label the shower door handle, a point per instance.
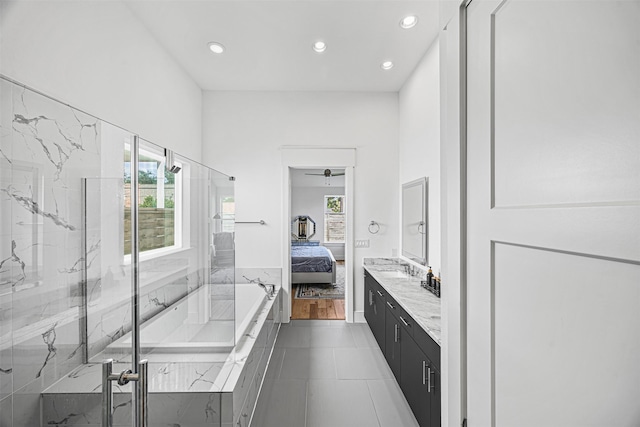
(107, 393)
(141, 390)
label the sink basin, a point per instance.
(393, 274)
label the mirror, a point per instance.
(414, 220)
(303, 228)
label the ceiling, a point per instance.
(269, 43)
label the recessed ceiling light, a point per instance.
(216, 47)
(387, 65)
(319, 46)
(409, 21)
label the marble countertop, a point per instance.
(421, 304)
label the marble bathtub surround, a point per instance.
(218, 388)
(421, 304)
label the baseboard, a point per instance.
(358, 317)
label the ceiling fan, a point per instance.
(327, 175)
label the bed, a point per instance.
(312, 264)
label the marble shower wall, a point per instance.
(45, 150)
(62, 202)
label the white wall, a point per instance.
(242, 133)
(419, 140)
(98, 58)
(310, 201)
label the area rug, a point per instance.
(323, 291)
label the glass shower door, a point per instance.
(109, 317)
(184, 333)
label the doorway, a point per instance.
(300, 175)
(318, 232)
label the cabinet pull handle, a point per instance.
(380, 293)
(370, 297)
(391, 305)
(396, 332)
(429, 372)
(405, 322)
(424, 372)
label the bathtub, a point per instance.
(219, 387)
(187, 325)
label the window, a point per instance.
(334, 219)
(159, 202)
(228, 213)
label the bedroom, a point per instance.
(318, 230)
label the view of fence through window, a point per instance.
(157, 195)
(334, 219)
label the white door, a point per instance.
(553, 213)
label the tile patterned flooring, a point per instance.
(328, 373)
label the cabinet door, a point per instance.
(414, 381)
(434, 399)
(379, 313)
(368, 301)
(420, 383)
(392, 343)
(374, 309)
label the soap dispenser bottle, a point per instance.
(430, 278)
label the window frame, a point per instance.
(326, 211)
(178, 210)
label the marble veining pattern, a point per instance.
(422, 305)
(46, 149)
(237, 374)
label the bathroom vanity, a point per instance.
(405, 320)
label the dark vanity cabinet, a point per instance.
(374, 310)
(420, 383)
(392, 346)
(412, 355)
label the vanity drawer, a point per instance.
(401, 314)
(378, 289)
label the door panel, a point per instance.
(392, 347)
(553, 188)
(551, 338)
(412, 383)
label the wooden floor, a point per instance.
(316, 308)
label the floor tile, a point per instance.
(306, 363)
(294, 337)
(362, 336)
(282, 403)
(331, 337)
(361, 364)
(330, 374)
(392, 408)
(339, 403)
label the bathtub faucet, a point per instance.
(269, 288)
